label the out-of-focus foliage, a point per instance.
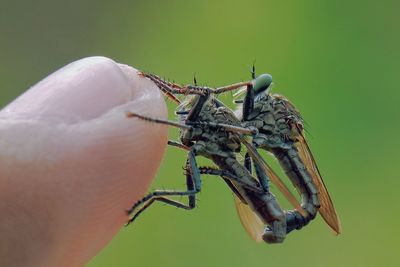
(338, 61)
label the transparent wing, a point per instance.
(273, 176)
(249, 219)
(327, 210)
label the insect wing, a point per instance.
(273, 176)
(327, 209)
(249, 219)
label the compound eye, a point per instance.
(262, 83)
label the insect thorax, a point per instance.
(213, 141)
(274, 117)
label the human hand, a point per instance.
(72, 163)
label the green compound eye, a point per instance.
(262, 82)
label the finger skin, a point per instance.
(72, 163)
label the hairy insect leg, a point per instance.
(193, 182)
(231, 87)
(165, 86)
(172, 88)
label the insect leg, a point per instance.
(130, 114)
(173, 88)
(161, 199)
(193, 182)
(197, 107)
(164, 86)
(248, 184)
(231, 87)
(227, 180)
(247, 163)
(262, 177)
(178, 145)
(248, 103)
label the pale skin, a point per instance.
(71, 163)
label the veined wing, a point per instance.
(273, 176)
(327, 210)
(249, 219)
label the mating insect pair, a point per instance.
(210, 129)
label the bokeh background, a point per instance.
(338, 61)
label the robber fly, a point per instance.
(281, 132)
(210, 129)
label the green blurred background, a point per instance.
(338, 61)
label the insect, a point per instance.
(281, 132)
(212, 130)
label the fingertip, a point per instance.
(68, 142)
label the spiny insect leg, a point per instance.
(173, 88)
(197, 89)
(166, 87)
(193, 182)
